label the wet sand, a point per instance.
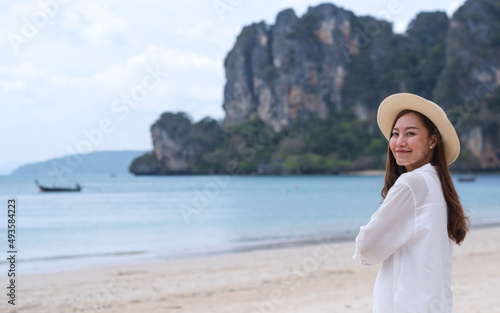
(320, 277)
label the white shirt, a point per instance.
(408, 235)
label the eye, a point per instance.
(410, 134)
(394, 134)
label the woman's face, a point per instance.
(411, 143)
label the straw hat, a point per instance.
(392, 105)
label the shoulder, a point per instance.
(421, 177)
(411, 183)
(421, 183)
(405, 186)
(414, 180)
(401, 194)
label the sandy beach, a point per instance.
(313, 278)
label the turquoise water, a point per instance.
(135, 219)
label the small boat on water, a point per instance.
(55, 189)
(467, 179)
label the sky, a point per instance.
(81, 76)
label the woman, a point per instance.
(412, 232)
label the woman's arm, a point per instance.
(389, 228)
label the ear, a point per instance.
(434, 140)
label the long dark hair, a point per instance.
(458, 222)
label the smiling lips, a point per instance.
(402, 151)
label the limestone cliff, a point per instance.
(291, 69)
(326, 62)
(180, 147)
(315, 83)
(468, 87)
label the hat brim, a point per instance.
(392, 105)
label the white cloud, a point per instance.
(13, 85)
(25, 8)
(95, 23)
(27, 70)
(112, 76)
(175, 62)
(103, 24)
(18, 78)
(196, 30)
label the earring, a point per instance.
(431, 147)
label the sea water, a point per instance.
(127, 219)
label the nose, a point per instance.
(401, 141)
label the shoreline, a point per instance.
(146, 257)
(131, 258)
(311, 278)
(366, 173)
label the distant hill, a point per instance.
(101, 162)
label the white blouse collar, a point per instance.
(427, 167)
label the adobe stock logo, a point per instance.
(31, 27)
